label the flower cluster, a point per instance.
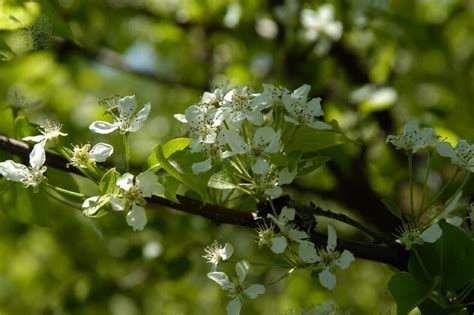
(322, 260)
(245, 132)
(235, 286)
(413, 138)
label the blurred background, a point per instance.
(374, 63)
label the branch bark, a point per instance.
(392, 254)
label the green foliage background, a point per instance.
(63, 56)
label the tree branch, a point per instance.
(393, 255)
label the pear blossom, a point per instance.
(216, 253)
(300, 111)
(269, 184)
(271, 94)
(133, 191)
(92, 205)
(125, 117)
(321, 23)
(265, 141)
(50, 131)
(84, 155)
(413, 234)
(215, 151)
(326, 258)
(239, 105)
(412, 138)
(235, 287)
(29, 176)
(461, 155)
(279, 242)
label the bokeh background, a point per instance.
(375, 63)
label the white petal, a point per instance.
(263, 136)
(314, 107)
(274, 145)
(102, 127)
(127, 106)
(279, 244)
(456, 221)
(345, 259)
(327, 279)
(255, 118)
(227, 252)
(297, 235)
(125, 181)
(274, 192)
(92, 205)
(13, 171)
(445, 149)
(332, 239)
(291, 120)
(140, 118)
(181, 118)
(302, 91)
(254, 290)
(234, 306)
(35, 138)
(37, 155)
(202, 167)
(101, 151)
(260, 167)
(307, 252)
(285, 176)
(236, 143)
(242, 268)
(136, 218)
(287, 214)
(118, 204)
(221, 279)
(431, 234)
(148, 183)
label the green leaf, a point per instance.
(171, 186)
(108, 182)
(308, 139)
(221, 180)
(179, 165)
(168, 149)
(407, 291)
(450, 259)
(306, 166)
(392, 207)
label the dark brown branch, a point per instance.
(393, 255)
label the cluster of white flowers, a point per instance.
(412, 138)
(235, 286)
(241, 126)
(322, 260)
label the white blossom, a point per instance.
(461, 155)
(29, 176)
(321, 23)
(125, 117)
(412, 138)
(235, 287)
(413, 234)
(133, 190)
(239, 105)
(300, 111)
(84, 155)
(216, 253)
(50, 131)
(326, 258)
(279, 242)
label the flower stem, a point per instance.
(441, 191)
(65, 191)
(286, 274)
(125, 151)
(427, 175)
(410, 177)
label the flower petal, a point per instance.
(332, 239)
(102, 127)
(127, 106)
(101, 151)
(260, 167)
(13, 171)
(227, 251)
(37, 155)
(345, 259)
(431, 234)
(279, 244)
(140, 118)
(254, 290)
(148, 183)
(221, 279)
(445, 149)
(287, 214)
(202, 167)
(136, 218)
(118, 204)
(327, 279)
(307, 252)
(234, 306)
(34, 138)
(242, 268)
(125, 181)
